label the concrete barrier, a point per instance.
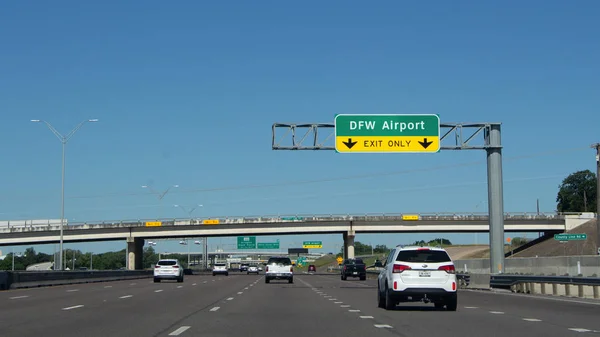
(586, 265)
(32, 279)
(557, 289)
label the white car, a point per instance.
(168, 269)
(417, 274)
(220, 268)
(252, 270)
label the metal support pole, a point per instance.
(597, 146)
(495, 200)
(62, 201)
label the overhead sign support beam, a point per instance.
(450, 136)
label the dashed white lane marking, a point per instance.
(470, 307)
(157, 291)
(179, 331)
(338, 302)
(132, 284)
(382, 326)
(126, 296)
(353, 310)
(193, 284)
(333, 299)
(229, 299)
(366, 317)
(246, 288)
(215, 308)
(497, 312)
(18, 297)
(240, 292)
(213, 280)
(532, 319)
(345, 306)
(73, 307)
(72, 290)
(179, 287)
(579, 330)
(107, 286)
(204, 282)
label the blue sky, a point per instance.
(186, 94)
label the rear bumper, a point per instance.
(220, 272)
(279, 276)
(352, 273)
(167, 276)
(418, 294)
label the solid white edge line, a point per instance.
(73, 307)
(179, 331)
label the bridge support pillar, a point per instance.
(349, 245)
(135, 253)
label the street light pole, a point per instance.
(160, 195)
(63, 140)
(597, 147)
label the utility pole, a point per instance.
(597, 147)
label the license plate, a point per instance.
(279, 274)
(424, 274)
(355, 273)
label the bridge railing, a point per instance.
(291, 218)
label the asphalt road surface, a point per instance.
(243, 305)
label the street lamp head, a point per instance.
(36, 120)
(175, 185)
(93, 120)
(175, 205)
(144, 186)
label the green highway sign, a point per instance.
(267, 245)
(387, 133)
(312, 244)
(570, 237)
(246, 242)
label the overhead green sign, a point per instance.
(267, 245)
(570, 237)
(387, 133)
(312, 244)
(246, 242)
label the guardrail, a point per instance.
(311, 217)
(32, 279)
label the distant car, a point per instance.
(279, 268)
(354, 268)
(412, 274)
(220, 268)
(312, 268)
(168, 269)
(252, 270)
(244, 267)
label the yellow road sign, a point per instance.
(153, 223)
(339, 260)
(387, 144)
(312, 246)
(211, 221)
(410, 217)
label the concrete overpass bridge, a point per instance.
(136, 231)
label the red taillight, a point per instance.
(267, 268)
(157, 266)
(448, 269)
(176, 267)
(422, 248)
(291, 269)
(398, 268)
(453, 285)
(344, 268)
(395, 285)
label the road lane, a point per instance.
(120, 311)
(478, 312)
(281, 309)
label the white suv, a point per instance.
(279, 268)
(168, 269)
(413, 274)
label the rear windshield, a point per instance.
(219, 264)
(280, 260)
(167, 263)
(431, 256)
(354, 261)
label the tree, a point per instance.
(577, 193)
